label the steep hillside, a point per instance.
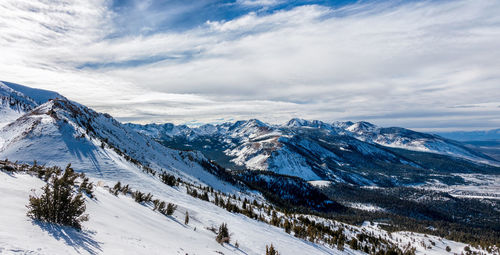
(120, 225)
(62, 131)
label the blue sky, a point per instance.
(178, 15)
(427, 65)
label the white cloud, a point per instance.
(395, 65)
(259, 2)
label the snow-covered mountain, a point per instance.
(46, 127)
(358, 152)
(59, 131)
(15, 100)
(410, 140)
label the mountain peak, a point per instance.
(248, 123)
(256, 122)
(39, 96)
(297, 122)
(342, 124)
(361, 126)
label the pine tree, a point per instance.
(168, 179)
(156, 203)
(171, 208)
(244, 206)
(138, 196)
(223, 234)
(125, 189)
(186, 219)
(87, 187)
(59, 204)
(161, 207)
(274, 219)
(117, 188)
(216, 201)
(271, 250)
(287, 226)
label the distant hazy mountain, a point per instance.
(485, 135)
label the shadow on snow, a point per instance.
(78, 239)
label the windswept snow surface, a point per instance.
(118, 225)
(7, 114)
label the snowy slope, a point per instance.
(61, 132)
(118, 225)
(15, 100)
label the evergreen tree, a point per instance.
(287, 226)
(87, 187)
(59, 204)
(216, 201)
(186, 219)
(223, 234)
(168, 179)
(171, 208)
(117, 188)
(271, 250)
(161, 207)
(138, 196)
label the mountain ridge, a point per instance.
(314, 150)
(62, 131)
(303, 161)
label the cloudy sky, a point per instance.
(427, 65)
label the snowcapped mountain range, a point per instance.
(298, 156)
(360, 152)
(46, 127)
